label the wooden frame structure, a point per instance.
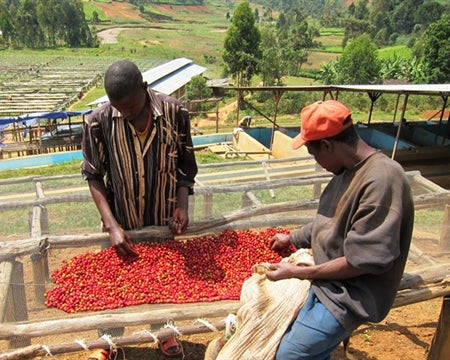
(429, 280)
(373, 91)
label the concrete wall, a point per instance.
(281, 147)
(246, 143)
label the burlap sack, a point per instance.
(268, 307)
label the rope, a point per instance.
(170, 324)
(155, 339)
(230, 325)
(107, 338)
(82, 344)
(207, 324)
(47, 350)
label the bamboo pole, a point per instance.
(129, 316)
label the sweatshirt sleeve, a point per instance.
(301, 238)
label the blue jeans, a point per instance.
(313, 335)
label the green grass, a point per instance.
(89, 9)
(400, 51)
(68, 167)
(331, 31)
(429, 220)
(76, 217)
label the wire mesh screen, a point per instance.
(47, 222)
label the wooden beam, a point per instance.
(444, 240)
(440, 345)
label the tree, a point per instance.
(295, 37)
(28, 31)
(359, 63)
(242, 45)
(44, 23)
(6, 25)
(197, 88)
(329, 73)
(403, 16)
(428, 13)
(354, 27)
(436, 51)
(271, 62)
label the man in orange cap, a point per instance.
(359, 238)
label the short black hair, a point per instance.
(122, 78)
(349, 136)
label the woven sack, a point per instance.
(267, 309)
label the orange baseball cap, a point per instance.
(321, 120)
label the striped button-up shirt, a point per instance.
(141, 180)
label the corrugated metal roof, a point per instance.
(431, 89)
(178, 79)
(166, 78)
(418, 89)
(154, 74)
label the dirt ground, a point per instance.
(118, 9)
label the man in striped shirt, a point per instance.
(138, 158)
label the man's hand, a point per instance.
(284, 270)
(179, 221)
(122, 242)
(280, 241)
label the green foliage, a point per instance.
(396, 67)
(329, 72)
(359, 63)
(45, 23)
(197, 89)
(295, 37)
(355, 28)
(271, 63)
(436, 51)
(242, 52)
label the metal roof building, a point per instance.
(169, 78)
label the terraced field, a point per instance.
(33, 83)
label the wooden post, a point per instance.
(444, 241)
(5, 279)
(249, 199)
(440, 346)
(14, 307)
(317, 187)
(207, 205)
(39, 277)
(217, 117)
(39, 226)
(266, 173)
(38, 260)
